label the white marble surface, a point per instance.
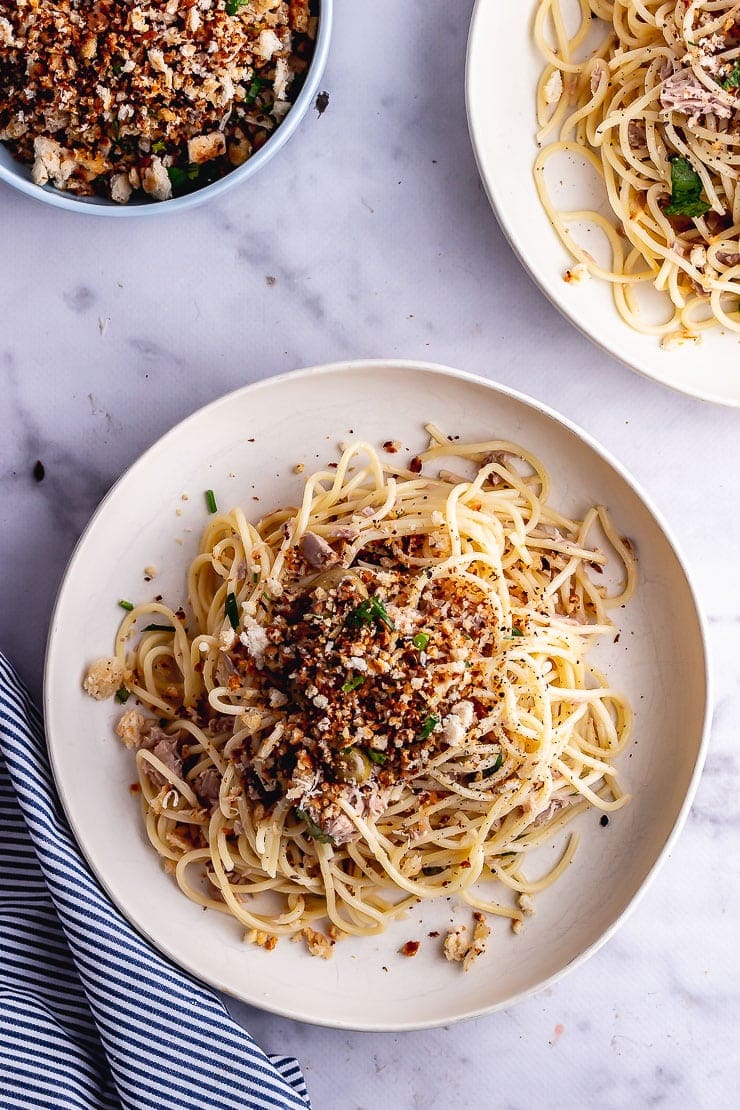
(379, 239)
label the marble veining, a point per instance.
(370, 236)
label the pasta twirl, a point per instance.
(379, 695)
(649, 94)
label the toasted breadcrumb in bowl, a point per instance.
(156, 106)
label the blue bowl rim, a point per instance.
(88, 207)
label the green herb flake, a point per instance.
(516, 632)
(122, 694)
(377, 757)
(353, 683)
(312, 829)
(371, 609)
(686, 187)
(429, 726)
(420, 640)
(233, 7)
(126, 604)
(253, 91)
(732, 80)
(159, 628)
(159, 147)
(183, 178)
(497, 764)
(231, 609)
(211, 501)
(255, 577)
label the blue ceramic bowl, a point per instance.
(18, 175)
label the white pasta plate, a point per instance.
(503, 68)
(245, 447)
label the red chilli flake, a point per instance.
(410, 948)
(415, 465)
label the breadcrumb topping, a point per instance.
(155, 97)
(268, 941)
(317, 944)
(132, 728)
(366, 685)
(104, 678)
(458, 948)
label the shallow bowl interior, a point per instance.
(244, 447)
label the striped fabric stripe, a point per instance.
(92, 1017)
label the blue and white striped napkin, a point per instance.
(90, 1015)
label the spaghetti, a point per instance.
(378, 696)
(648, 93)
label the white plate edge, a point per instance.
(364, 365)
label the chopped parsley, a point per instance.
(253, 91)
(371, 609)
(429, 726)
(126, 604)
(312, 829)
(516, 632)
(497, 764)
(732, 80)
(234, 6)
(159, 628)
(353, 683)
(686, 187)
(159, 147)
(255, 576)
(183, 178)
(122, 694)
(376, 757)
(211, 501)
(231, 610)
(420, 640)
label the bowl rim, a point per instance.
(68, 202)
(367, 366)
